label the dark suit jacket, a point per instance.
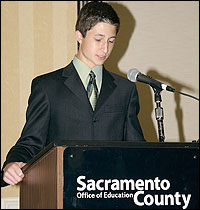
(59, 109)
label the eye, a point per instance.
(112, 41)
(98, 40)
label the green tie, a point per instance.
(92, 90)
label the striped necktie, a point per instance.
(92, 90)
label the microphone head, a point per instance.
(132, 74)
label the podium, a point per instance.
(112, 175)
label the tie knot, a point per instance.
(92, 74)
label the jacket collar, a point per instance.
(73, 82)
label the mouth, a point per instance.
(101, 57)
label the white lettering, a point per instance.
(151, 200)
(85, 195)
(122, 184)
(161, 202)
(163, 183)
(107, 182)
(135, 198)
(115, 185)
(139, 197)
(170, 198)
(151, 182)
(91, 185)
(157, 180)
(127, 184)
(186, 200)
(177, 196)
(81, 183)
(139, 184)
(98, 184)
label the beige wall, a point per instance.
(36, 37)
(159, 38)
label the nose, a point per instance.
(105, 47)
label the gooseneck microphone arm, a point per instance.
(159, 114)
(135, 75)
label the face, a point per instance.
(97, 45)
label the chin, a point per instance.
(101, 62)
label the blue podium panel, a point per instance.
(130, 178)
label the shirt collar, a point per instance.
(84, 70)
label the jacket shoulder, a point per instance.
(122, 79)
(52, 76)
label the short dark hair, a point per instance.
(95, 12)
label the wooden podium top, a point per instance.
(103, 143)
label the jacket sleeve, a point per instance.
(34, 133)
(133, 130)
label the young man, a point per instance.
(82, 101)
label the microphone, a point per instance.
(135, 75)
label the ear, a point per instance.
(79, 37)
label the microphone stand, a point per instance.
(159, 114)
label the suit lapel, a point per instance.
(108, 86)
(73, 82)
